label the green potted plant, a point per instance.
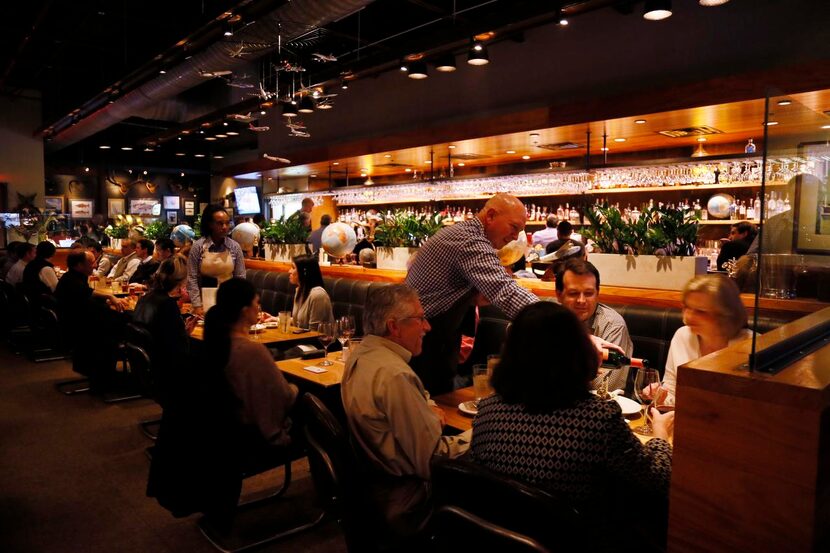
(399, 236)
(116, 233)
(284, 239)
(656, 250)
(157, 229)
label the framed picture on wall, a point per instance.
(811, 221)
(189, 208)
(172, 217)
(146, 207)
(53, 203)
(172, 202)
(81, 208)
(115, 206)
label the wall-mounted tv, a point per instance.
(247, 200)
(10, 219)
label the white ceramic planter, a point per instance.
(283, 252)
(647, 271)
(115, 243)
(393, 258)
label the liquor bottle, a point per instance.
(757, 206)
(787, 206)
(750, 147)
(560, 213)
(612, 359)
(698, 210)
(574, 216)
(750, 211)
(772, 205)
(741, 210)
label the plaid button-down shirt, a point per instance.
(457, 260)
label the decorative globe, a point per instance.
(245, 234)
(513, 251)
(718, 205)
(182, 234)
(338, 240)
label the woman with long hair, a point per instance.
(312, 304)
(263, 396)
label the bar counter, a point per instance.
(785, 309)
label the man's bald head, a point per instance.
(503, 218)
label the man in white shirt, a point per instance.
(390, 414)
(546, 235)
(128, 263)
(103, 265)
(25, 253)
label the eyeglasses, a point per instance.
(421, 318)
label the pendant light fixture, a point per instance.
(306, 105)
(446, 63)
(709, 3)
(478, 54)
(289, 110)
(656, 10)
(418, 70)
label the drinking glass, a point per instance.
(284, 321)
(345, 330)
(481, 382)
(646, 379)
(327, 331)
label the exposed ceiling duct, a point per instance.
(292, 19)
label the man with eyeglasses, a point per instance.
(451, 270)
(390, 414)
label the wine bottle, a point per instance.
(612, 359)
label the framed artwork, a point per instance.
(811, 217)
(115, 206)
(172, 202)
(172, 217)
(81, 208)
(189, 208)
(53, 203)
(146, 207)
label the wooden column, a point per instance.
(751, 461)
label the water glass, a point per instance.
(481, 382)
(646, 384)
(284, 321)
(328, 332)
(345, 330)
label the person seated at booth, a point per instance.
(312, 304)
(126, 266)
(564, 231)
(577, 289)
(543, 426)
(144, 249)
(39, 276)
(103, 263)
(390, 414)
(165, 248)
(25, 253)
(9, 259)
(741, 236)
(714, 317)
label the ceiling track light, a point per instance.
(561, 18)
(478, 54)
(404, 67)
(306, 105)
(289, 110)
(418, 70)
(657, 10)
(446, 63)
(344, 84)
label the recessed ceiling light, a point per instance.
(233, 133)
(784, 102)
(148, 149)
(198, 155)
(656, 10)
(221, 136)
(640, 121)
(210, 138)
(126, 148)
(408, 170)
(772, 123)
(313, 175)
(86, 169)
(428, 161)
(262, 112)
(180, 154)
(525, 157)
(104, 147)
(178, 138)
(825, 126)
(201, 131)
(185, 132)
(144, 172)
(218, 157)
(619, 140)
(701, 139)
(451, 147)
(510, 152)
(387, 156)
(362, 174)
(336, 163)
(224, 123)
(710, 3)
(603, 149)
(462, 164)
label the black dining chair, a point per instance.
(138, 350)
(455, 529)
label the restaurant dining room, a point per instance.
(379, 276)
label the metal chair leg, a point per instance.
(79, 386)
(146, 426)
(286, 480)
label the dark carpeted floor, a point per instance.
(73, 473)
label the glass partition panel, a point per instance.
(789, 261)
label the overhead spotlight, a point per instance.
(233, 133)
(306, 105)
(144, 172)
(198, 155)
(655, 10)
(162, 71)
(461, 164)
(224, 123)
(619, 140)
(408, 170)
(446, 63)
(180, 154)
(148, 149)
(104, 147)
(289, 110)
(525, 157)
(561, 18)
(210, 138)
(710, 3)
(86, 169)
(315, 93)
(313, 176)
(218, 157)
(130, 171)
(404, 67)
(784, 102)
(418, 70)
(640, 121)
(181, 174)
(344, 84)
(127, 148)
(451, 147)
(702, 139)
(478, 54)
(221, 136)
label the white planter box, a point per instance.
(283, 252)
(115, 243)
(393, 258)
(647, 271)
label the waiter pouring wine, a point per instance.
(449, 271)
(213, 259)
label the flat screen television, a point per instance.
(247, 200)
(10, 219)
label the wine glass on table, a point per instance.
(345, 331)
(646, 383)
(327, 332)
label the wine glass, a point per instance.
(327, 331)
(345, 327)
(646, 382)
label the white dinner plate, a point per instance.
(257, 327)
(628, 406)
(272, 325)
(468, 407)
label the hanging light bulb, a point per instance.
(656, 10)
(478, 54)
(344, 84)
(418, 70)
(709, 3)
(289, 110)
(446, 63)
(306, 105)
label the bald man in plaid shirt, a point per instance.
(451, 269)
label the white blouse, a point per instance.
(685, 347)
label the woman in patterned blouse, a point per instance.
(543, 426)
